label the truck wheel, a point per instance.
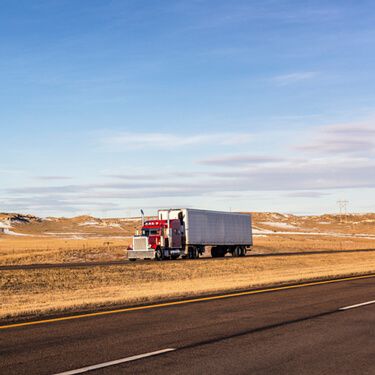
(243, 252)
(159, 254)
(193, 253)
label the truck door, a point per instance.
(176, 234)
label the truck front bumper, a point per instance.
(141, 254)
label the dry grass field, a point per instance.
(29, 240)
(290, 243)
(31, 250)
(29, 293)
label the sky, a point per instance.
(107, 107)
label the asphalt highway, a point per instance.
(326, 328)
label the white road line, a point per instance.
(116, 362)
(357, 305)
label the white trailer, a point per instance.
(213, 228)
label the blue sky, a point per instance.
(110, 106)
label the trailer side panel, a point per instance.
(204, 227)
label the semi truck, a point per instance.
(186, 233)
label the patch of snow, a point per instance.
(63, 233)
(114, 225)
(4, 225)
(89, 223)
(278, 224)
(276, 216)
(329, 234)
(261, 231)
(11, 233)
(96, 224)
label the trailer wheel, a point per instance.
(214, 252)
(237, 251)
(243, 252)
(159, 254)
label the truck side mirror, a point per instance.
(181, 218)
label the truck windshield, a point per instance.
(150, 232)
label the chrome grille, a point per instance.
(140, 243)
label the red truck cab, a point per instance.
(160, 239)
(157, 233)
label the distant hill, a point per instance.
(263, 223)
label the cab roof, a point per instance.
(149, 224)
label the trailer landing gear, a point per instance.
(218, 251)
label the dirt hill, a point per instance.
(76, 227)
(264, 223)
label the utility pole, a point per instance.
(343, 209)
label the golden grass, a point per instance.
(302, 243)
(28, 250)
(26, 293)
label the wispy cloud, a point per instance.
(167, 140)
(52, 178)
(55, 203)
(306, 194)
(308, 175)
(154, 176)
(235, 160)
(265, 11)
(343, 139)
(10, 171)
(336, 157)
(292, 78)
